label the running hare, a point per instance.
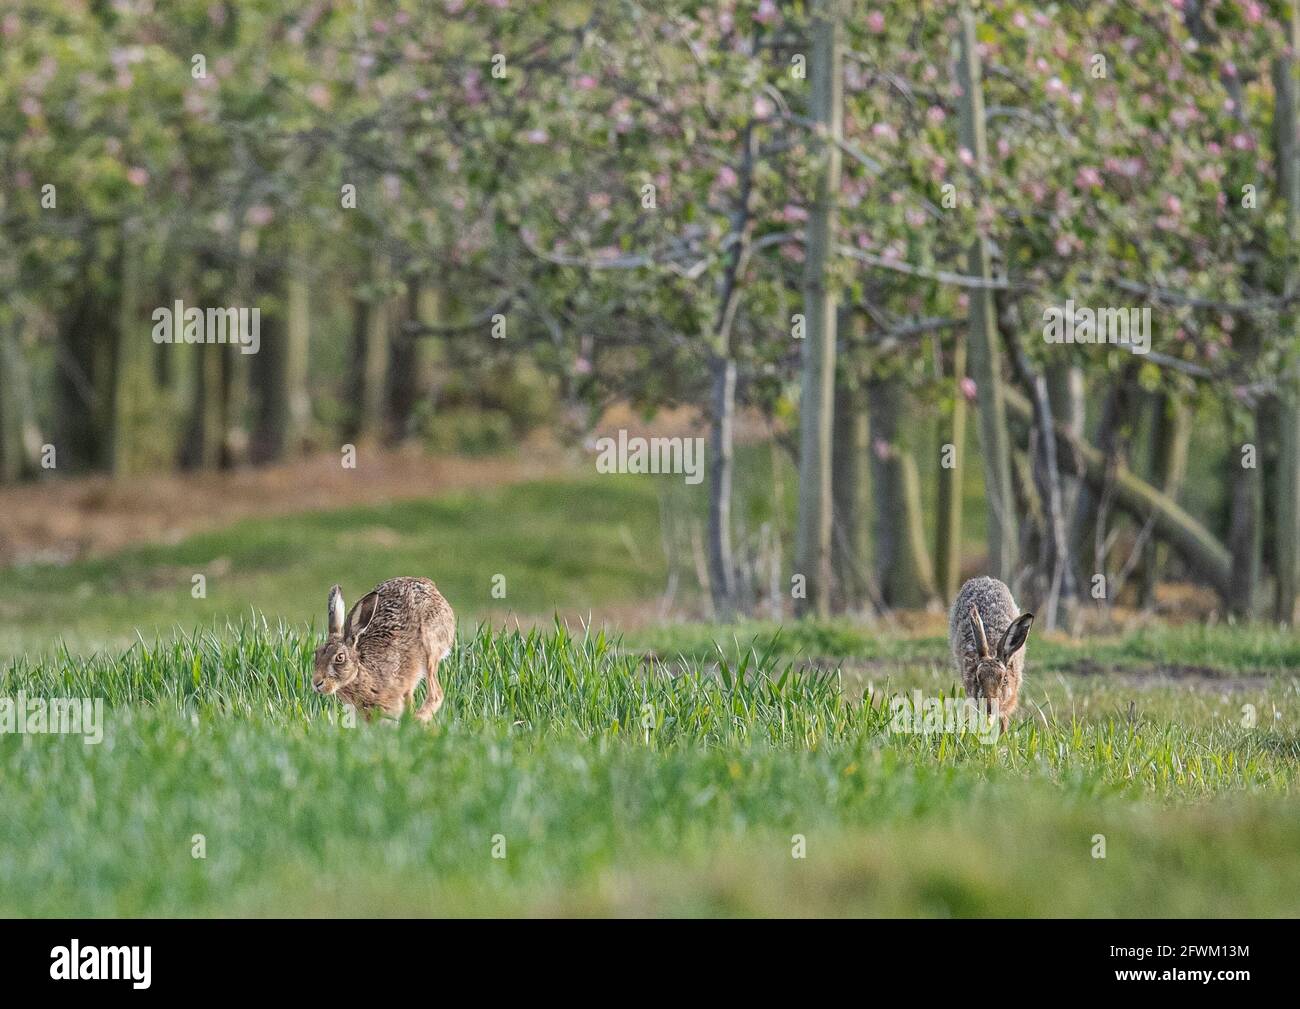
(984, 613)
(392, 637)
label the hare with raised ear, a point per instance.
(985, 612)
(393, 636)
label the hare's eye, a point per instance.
(338, 659)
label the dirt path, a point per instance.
(58, 520)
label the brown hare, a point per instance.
(984, 613)
(392, 637)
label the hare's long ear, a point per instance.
(359, 619)
(1013, 639)
(335, 612)
(981, 639)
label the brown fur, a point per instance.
(392, 637)
(992, 669)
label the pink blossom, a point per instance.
(1088, 178)
(727, 177)
(876, 22)
(259, 215)
(965, 156)
(454, 6)
(1063, 245)
(586, 83)
(471, 81)
(763, 107)
(791, 213)
(766, 12)
(935, 114)
(537, 135)
(969, 389)
(137, 176)
(1253, 11)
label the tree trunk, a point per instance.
(722, 572)
(236, 366)
(206, 429)
(370, 355)
(131, 395)
(948, 528)
(270, 439)
(20, 439)
(81, 384)
(995, 446)
(1286, 538)
(902, 564)
(816, 409)
(1168, 466)
(1055, 567)
(722, 407)
(1088, 531)
(849, 512)
(297, 355)
(204, 402)
(1066, 393)
(405, 378)
(1245, 507)
(11, 461)
(1197, 546)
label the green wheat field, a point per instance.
(669, 769)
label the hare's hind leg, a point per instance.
(434, 653)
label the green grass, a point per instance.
(560, 545)
(1223, 650)
(652, 773)
(625, 785)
